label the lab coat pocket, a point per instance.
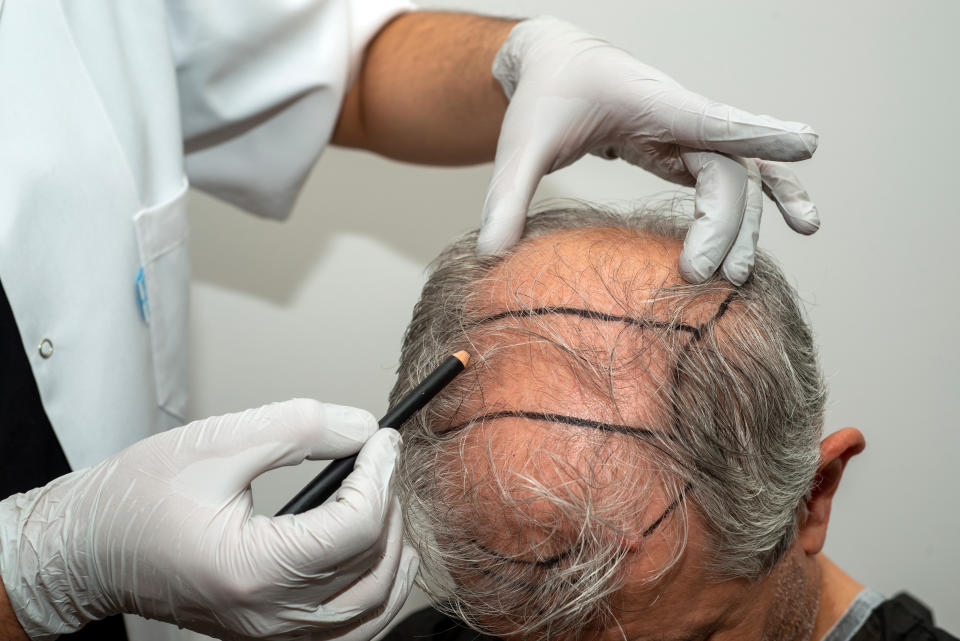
(163, 289)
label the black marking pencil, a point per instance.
(329, 479)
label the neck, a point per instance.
(837, 591)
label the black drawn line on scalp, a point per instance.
(556, 559)
(676, 374)
(647, 436)
(646, 323)
(724, 306)
(697, 332)
(550, 417)
(670, 508)
(545, 563)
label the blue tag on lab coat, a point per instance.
(142, 297)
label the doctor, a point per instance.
(109, 110)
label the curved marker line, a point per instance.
(547, 563)
(647, 436)
(550, 417)
(590, 314)
(697, 332)
(554, 560)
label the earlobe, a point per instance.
(835, 451)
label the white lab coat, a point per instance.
(108, 109)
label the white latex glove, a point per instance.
(164, 529)
(572, 94)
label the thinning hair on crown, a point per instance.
(716, 400)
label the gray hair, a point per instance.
(729, 429)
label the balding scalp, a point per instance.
(609, 406)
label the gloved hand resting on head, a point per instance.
(164, 529)
(572, 94)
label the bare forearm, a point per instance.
(426, 93)
(10, 628)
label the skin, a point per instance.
(425, 94)
(800, 599)
(10, 628)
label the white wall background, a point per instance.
(316, 306)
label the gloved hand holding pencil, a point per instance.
(165, 529)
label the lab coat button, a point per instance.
(46, 348)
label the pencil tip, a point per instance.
(463, 357)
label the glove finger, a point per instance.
(223, 454)
(375, 626)
(721, 195)
(703, 124)
(526, 152)
(368, 594)
(353, 521)
(739, 261)
(783, 188)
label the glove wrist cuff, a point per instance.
(45, 593)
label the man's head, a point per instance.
(627, 454)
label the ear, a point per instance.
(835, 451)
